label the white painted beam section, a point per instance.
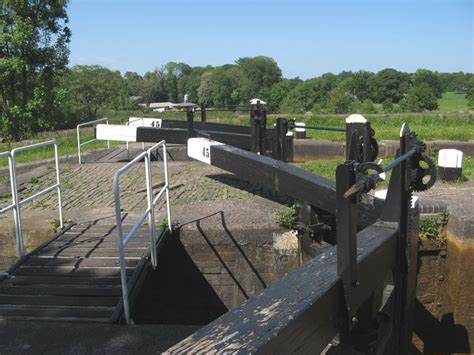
(200, 149)
(116, 132)
(145, 122)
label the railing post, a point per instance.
(16, 210)
(78, 145)
(150, 213)
(58, 182)
(151, 208)
(14, 189)
(123, 271)
(168, 207)
(108, 141)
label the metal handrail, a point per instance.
(16, 203)
(128, 124)
(12, 205)
(79, 144)
(149, 212)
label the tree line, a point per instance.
(38, 91)
(235, 84)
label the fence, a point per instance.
(79, 144)
(16, 203)
(122, 242)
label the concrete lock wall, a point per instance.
(204, 272)
(458, 309)
(38, 226)
(310, 149)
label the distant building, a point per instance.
(136, 98)
(169, 106)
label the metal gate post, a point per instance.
(203, 113)
(190, 119)
(360, 144)
(280, 143)
(347, 240)
(20, 244)
(258, 122)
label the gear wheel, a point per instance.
(424, 173)
(374, 151)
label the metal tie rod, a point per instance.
(320, 128)
(398, 160)
(361, 185)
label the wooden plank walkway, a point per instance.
(75, 276)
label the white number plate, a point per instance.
(200, 149)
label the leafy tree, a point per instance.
(425, 76)
(328, 82)
(148, 90)
(172, 87)
(176, 77)
(33, 49)
(204, 91)
(391, 84)
(367, 106)
(226, 88)
(362, 85)
(91, 87)
(257, 73)
(303, 97)
(278, 92)
(419, 98)
(133, 83)
(341, 101)
(159, 77)
(194, 81)
(456, 82)
(387, 105)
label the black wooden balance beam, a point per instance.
(279, 177)
(301, 312)
(339, 291)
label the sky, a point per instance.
(306, 38)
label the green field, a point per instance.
(327, 168)
(429, 126)
(453, 102)
(67, 144)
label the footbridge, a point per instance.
(87, 272)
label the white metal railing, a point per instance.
(17, 203)
(128, 124)
(122, 242)
(9, 157)
(79, 144)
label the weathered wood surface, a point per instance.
(298, 313)
(289, 180)
(74, 277)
